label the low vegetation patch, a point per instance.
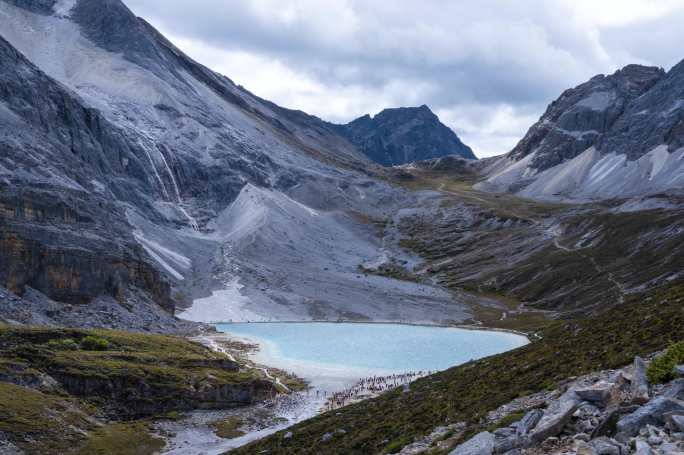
(662, 369)
(228, 428)
(42, 423)
(134, 438)
(91, 343)
(93, 374)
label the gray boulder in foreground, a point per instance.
(679, 369)
(607, 446)
(643, 448)
(651, 413)
(480, 444)
(555, 417)
(601, 393)
(529, 421)
(639, 381)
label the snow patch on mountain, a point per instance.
(225, 305)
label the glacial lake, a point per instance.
(334, 355)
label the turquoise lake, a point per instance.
(334, 354)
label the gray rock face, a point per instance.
(58, 234)
(581, 115)
(480, 444)
(613, 136)
(403, 135)
(652, 119)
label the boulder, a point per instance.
(480, 444)
(670, 448)
(508, 439)
(602, 393)
(639, 389)
(583, 448)
(555, 417)
(642, 448)
(675, 389)
(607, 446)
(679, 369)
(607, 426)
(652, 413)
(529, 421)
(675, 422)
(415, 448)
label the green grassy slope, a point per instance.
(104, 374)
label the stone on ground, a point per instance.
(480, 444)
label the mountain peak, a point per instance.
(576, 120)
(617, 135)
(403, 135)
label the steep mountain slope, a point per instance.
(60, 231)
(154, 153)
(403, 135)
(613, 136)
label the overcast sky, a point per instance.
(488, 68)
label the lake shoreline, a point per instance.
(325, 391)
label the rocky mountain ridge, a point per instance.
(404, 135)
(613, 136)
(605, 412)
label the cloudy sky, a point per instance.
(488, 68)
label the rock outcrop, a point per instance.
(404, 135)
(58, 233)
(614, 136)
(581, 115)
(589, 415)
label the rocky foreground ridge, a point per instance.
(611, 412)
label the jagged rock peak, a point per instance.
(403, 135)
(575, 121)
(620, 135)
